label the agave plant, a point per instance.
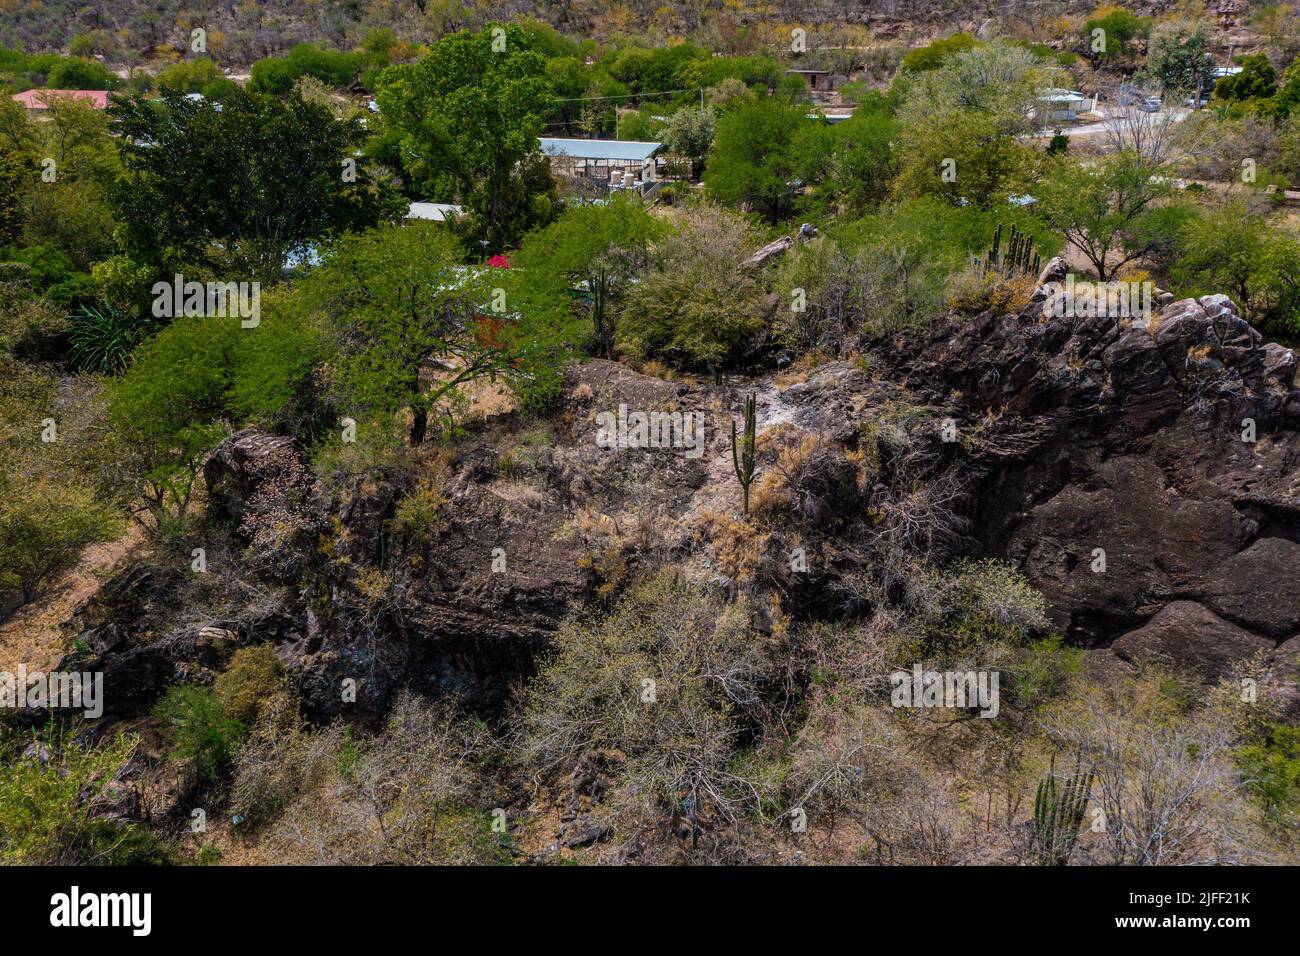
(103, 337)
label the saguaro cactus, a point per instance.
(743, 459)
(1058, 813)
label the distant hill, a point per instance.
(240, 32)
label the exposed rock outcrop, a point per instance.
(1109, 458)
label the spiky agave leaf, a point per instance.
(103, 337)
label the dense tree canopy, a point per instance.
(242, 187)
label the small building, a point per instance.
(622, 164)
(818, 81)
(40, 99)
(433, 211)
(1061, 105)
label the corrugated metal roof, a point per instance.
(626, 150)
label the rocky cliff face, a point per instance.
(1170, 445)
(1073, 440)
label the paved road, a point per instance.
(1178, 114)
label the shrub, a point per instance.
(651, 698)
(44, 525)
(417, 793)
(698, 302)
(250, 680)
(48, 797)
(103, 337)
(1272, 768)
(200, 731)
(1165, 778)
(73, 73)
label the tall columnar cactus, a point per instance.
(1058, 813)
(743, 459)
(1018, 257)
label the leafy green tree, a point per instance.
(276, 75)
(169, 408)
(1119, 26)
(74, 73)
(932, 55)
(1231, 248)
(242, 187)
(965, 158)
(1179, 55)
(863, 160)
(1105, 209)
(755, 158)
(960, 125)
(689, 133)
(1221, 250)
(394, 300)
(1256, 81)
(597, 251)
(189, 76)
(469, 115)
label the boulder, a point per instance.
(1188, 633)
(243, 463)
(1250, 588)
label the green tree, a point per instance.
(698, 302)
(468, 115)
(1179, 55)
(1256, 81)
(864, 160)
(689, 133)
(1120, 27)
(189, 76)
(1221, 251)
(394, 299)
(598, 250)
(932, 55)
(243, 187)
(960, 125)
(169, 408)
(74, 73)
(755, 157)
(1107, 209)
(966, 158)
(1232, 248)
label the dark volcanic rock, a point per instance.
(242, 464)
(1251, 589)
(1127, 436)
(1188, 633)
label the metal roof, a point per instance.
(626, 150)
(435, 211)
